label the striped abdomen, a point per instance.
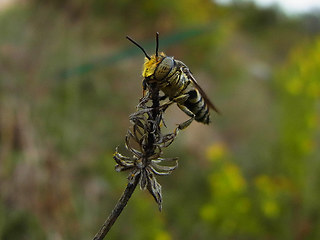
(196, 104)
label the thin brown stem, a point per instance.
(154, 93)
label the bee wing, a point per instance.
(203, 94)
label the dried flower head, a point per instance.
(145, 141)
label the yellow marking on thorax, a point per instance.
(150, 66)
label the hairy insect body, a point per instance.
(174, 81)
(178, 84)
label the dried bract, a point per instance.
(145, 141)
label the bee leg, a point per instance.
(185, 124)
(181, 99)
(144, 87)
(144, 84)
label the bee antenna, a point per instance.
(157, 44)
(135, 43)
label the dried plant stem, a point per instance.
(117, 209)
(154, 93)
(135, 178)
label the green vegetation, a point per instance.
(69, 80)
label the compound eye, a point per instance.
(164, 68)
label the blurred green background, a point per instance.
(69, 80)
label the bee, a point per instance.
(177, 83)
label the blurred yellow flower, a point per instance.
(270, 208)
(294, 86)
(271, 190)
(208, 212)
(236, 181)
(163, 236)
(228, 180)
(216, 151)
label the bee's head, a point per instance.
(150, 66)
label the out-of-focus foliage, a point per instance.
(272, 201)
(68, 81)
